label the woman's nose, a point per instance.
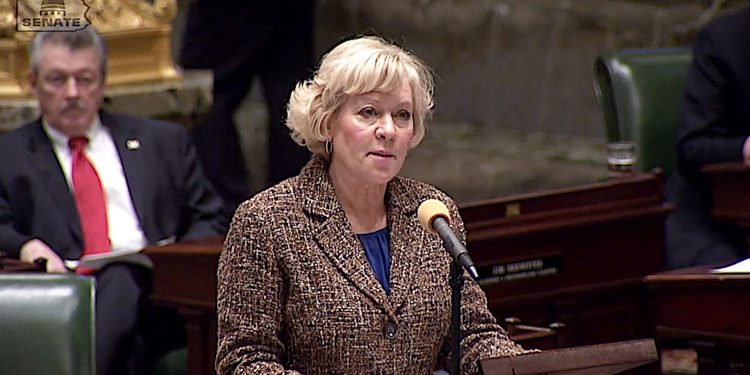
(386, 127)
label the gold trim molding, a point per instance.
(138, 34)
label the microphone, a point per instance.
(435, 217)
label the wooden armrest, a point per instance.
(8, 265)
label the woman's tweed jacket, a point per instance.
(297, 294)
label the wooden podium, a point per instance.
(574, 256)
(601, 359)
(706, 311)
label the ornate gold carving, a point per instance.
(113, 15)
(7, 20)
(137, 31)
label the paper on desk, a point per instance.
(98, 261)
(739, 267)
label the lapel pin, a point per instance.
(133, 144)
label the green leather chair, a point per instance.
(46, 324)
(173, 363)
(640, 93)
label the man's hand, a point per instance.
(35, 249)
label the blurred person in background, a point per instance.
(714, 128)
(241, 40)
(81, 181)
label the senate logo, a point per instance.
(51, 15)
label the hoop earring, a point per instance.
(329, 147)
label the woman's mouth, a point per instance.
(381, 154)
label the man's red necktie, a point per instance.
(90, 202)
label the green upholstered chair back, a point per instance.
(46, 324)
(172, 363)
(640, 93)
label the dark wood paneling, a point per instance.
(706, 311)
(585, 251)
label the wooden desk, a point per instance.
(729, 183)
(575, 256)
(709, 312)
(184, 277)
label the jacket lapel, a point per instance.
(45, 162)
(405, 245)
(134, 164)
(335, 237)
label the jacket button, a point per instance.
(390, 329)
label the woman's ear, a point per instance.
(328, 130)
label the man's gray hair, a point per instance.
(75, 40)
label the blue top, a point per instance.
(378, 252)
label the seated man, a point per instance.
(715, 127)
(81, 181)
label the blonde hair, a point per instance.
(355, 67)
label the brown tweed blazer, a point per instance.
(297, 294)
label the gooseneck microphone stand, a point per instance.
(435, 217)
(456, 282)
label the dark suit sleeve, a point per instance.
(202, 205)
(11, 239)
(709, 132)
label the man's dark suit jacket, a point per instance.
(715, 124)
(172, 198)
(244, 40)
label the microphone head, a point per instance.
(431, 209)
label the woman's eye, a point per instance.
(403, 117)
(368, 112)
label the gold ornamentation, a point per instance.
(109, 15)
(7, 20)
(137, 31)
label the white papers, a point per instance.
(98, 261)
(739, 267)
